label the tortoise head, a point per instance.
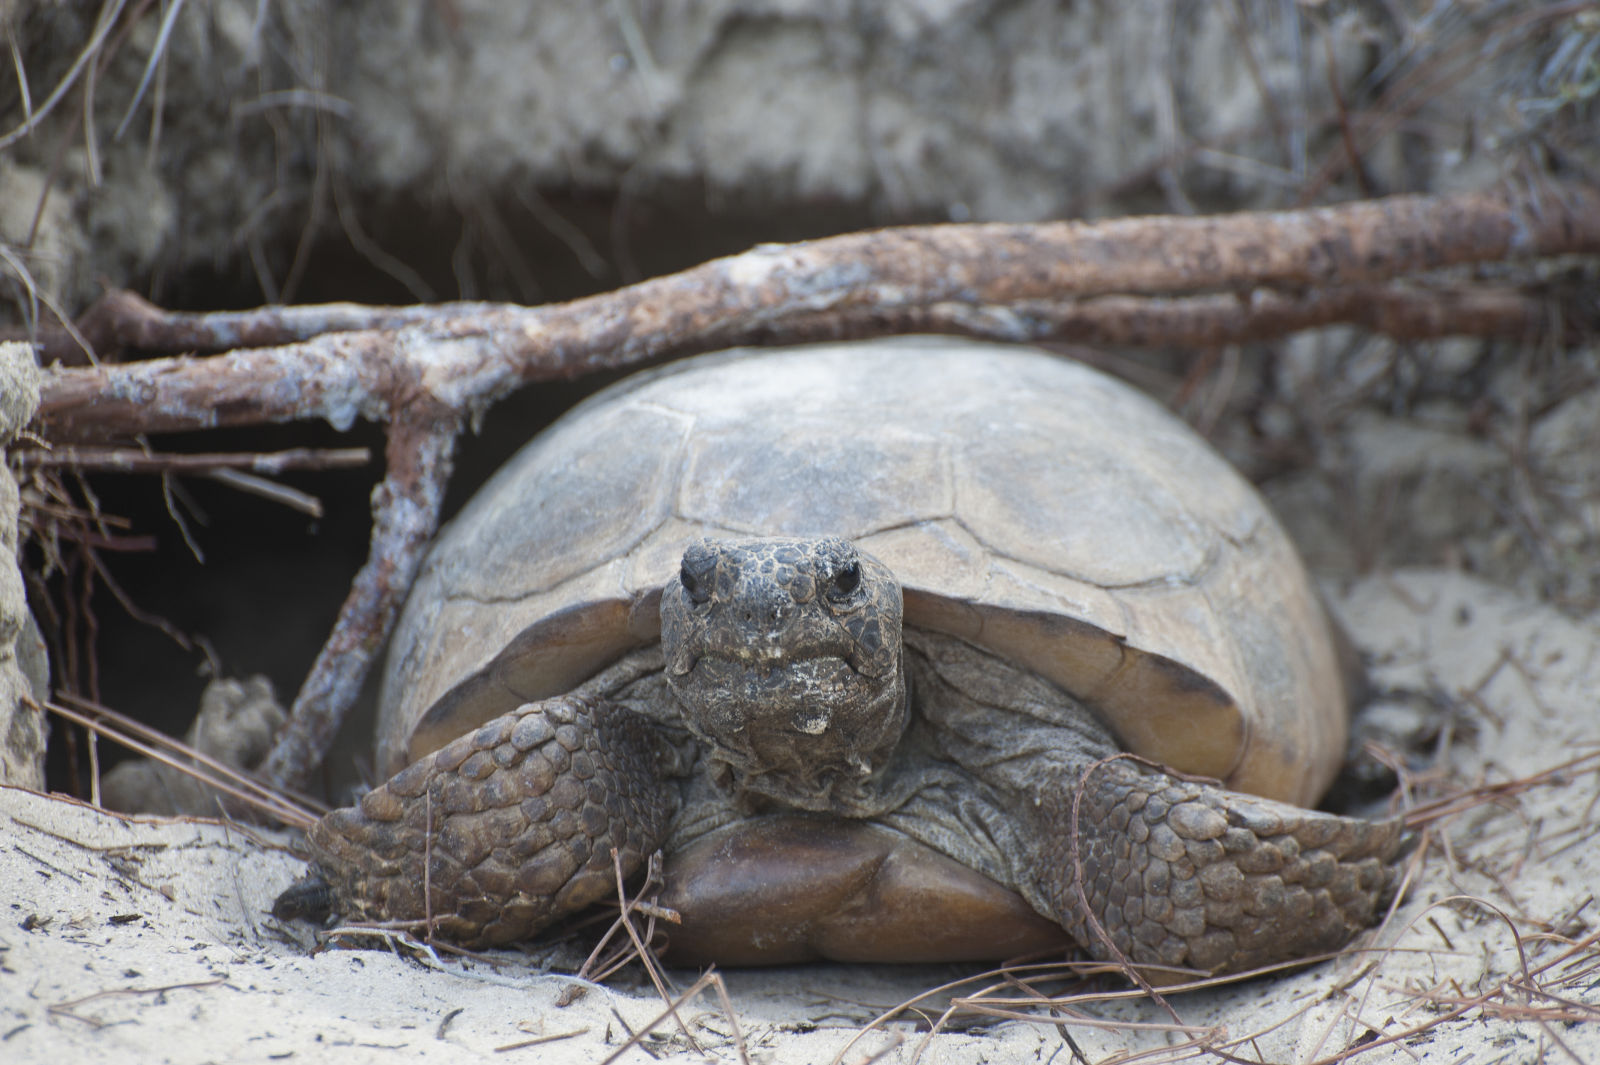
(786, 655)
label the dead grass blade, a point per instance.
(295, 810)
(89, 54)
(710, 978)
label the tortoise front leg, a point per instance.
(1187, 874)
(509, 827)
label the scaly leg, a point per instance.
(514, 822)
(1188, 874)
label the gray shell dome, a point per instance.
(1027, 503)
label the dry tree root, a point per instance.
(426, 370)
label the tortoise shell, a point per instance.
(1027, 503)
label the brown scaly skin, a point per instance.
(517, 819)
(1190, 875)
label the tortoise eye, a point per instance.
(697, 571)
(693, 585)
(845, 580)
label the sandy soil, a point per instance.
(147, 940)
(411, 146)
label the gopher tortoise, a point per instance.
(905, 650)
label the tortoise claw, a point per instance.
(307, 899)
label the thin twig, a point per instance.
(540, 1040)
(405, 513)
(293, 498)
(65, 1009)
(134, 460)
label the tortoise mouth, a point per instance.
(778, 668)
(738, 693)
